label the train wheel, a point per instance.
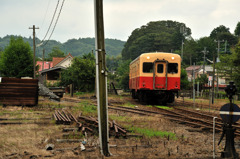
(134, 96)
(141, 97)
(171, 98)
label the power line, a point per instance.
(51, 21)
(55, 22)
(44, 16)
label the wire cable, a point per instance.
(44, 16)
(55, 22)
(51, 21)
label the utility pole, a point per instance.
(43, 59)
(204, 57)
(182, 50)
(182, 30)
(225, 50)
(34, 51)
(194, 85)
(218, 57)
(101, 75)
(213, 79)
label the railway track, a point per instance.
(182, 115)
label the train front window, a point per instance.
(147, 67)
(160, 68)
(173, 68)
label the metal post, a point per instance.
(34, 51)
(214, 118)
(101, 75)
(194, 85)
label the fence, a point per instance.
(20, 92)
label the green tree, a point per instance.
(236, 69)
(215, 34)
(56, 52)
(17, 59)
(162, 36)
(202, 79)
(184, 80)
(122, 74)
(237, 30)
(190, 49)
(81, 73)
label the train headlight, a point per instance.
(148, 57)
(172, 58)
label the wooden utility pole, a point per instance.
(101, 75)
(34, 51)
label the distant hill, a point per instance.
(76, 47)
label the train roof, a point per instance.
(153, 54)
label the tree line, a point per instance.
(161, 36)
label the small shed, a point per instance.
(20, 92)
(51, 75)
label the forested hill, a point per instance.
(74, 46)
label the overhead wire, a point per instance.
(55, 22)
(44, 17)
(51, 21)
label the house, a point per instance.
(219, 82)
(63, 61)
(43, 65)
(52, 69)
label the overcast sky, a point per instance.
(121, 17)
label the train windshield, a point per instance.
(147, 67)
(160, 68)
(172, 68)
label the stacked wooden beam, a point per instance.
(64, 117)
(87, 124)
(22, 92)
(114, 128)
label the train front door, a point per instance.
(160, 75)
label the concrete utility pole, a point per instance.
(218, 59)
(182, 50)
(213, 79)
(204, 58)
(101, 75)
(34, 51)
(182, 31)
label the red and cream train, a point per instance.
(155, 76)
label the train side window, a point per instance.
(160, 68)
(147, 67)
(172, 68)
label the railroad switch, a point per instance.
(229, 118)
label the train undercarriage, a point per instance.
(154, 96)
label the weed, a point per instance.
(164, 107)
(152, 133)
(86, 108)
(120, 118)
(128, 104)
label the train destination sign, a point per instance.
(225, 113)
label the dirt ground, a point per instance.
(32, 129)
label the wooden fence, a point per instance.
(19, 92)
